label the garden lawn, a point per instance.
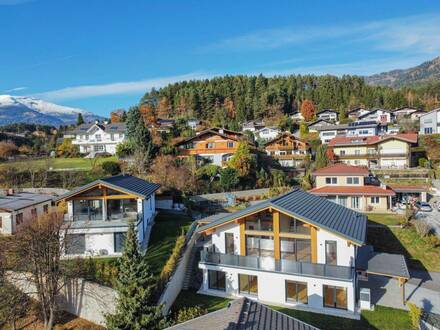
(59, 163)
(382, 318)
(163, 237)
(385, 219)
(418, 253)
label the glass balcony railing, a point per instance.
(278, 266)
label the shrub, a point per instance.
(189, 313)
(172, 261)
(422, 162)
(415, 314)
(422, 228)
(432, 240)
(111, 167)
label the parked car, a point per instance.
(423, 206)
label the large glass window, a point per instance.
(335, 297)
(119, 239)
(75, 243)
(261, 222)
(259, 246)
(85, 210)
(248, 284)
(296, 292)
(296, 249)
(292, 225)
(217, 280)
(331, 252)
(121, 208)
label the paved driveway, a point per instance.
(386, 292)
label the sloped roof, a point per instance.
(347, 126)
(109, 128)
(314, 209)
(342, 169)
(244, 314)
(127, 183)
(283, 135)
(409, 188)
(215, 131)
(369, 140)
(352, 190)
(20, 200)
(373, 111)
(327, 110)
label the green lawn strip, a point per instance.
(418, 253)
(385, 219)
(166, 229)
(383, 318)
(187, 298)
(58, 163)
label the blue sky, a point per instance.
(100, 55)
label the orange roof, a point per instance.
(342, 169)
(367, 140)
(354, 190)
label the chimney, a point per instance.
(11, 191)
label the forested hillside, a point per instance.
(239, 98)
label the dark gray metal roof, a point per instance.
(20, 200)
(387, 264)
(314, 209)
(244, 314)
(127, 183)
(109, 128)
(347, 126)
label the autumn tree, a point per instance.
(164, 108)
(308, 110)
(117, 116)
(148, 113)
(243, 161)
(7, 149)
(67, 149)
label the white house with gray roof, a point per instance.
(430, 122)
(98, 138)
(17, 208)
(296, 250)
(99, 213)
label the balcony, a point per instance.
(282, 266)
(80, 222)
(372, 155)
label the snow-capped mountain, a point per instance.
(23, 109)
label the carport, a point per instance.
(383, 264)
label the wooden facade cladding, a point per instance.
(314, 243)
(286, 143)
(276, 232)
(242, 238)
(104, 194)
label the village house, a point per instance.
(267, 133)
(98, 138)
(430, 122)
(328, 115)
(297, 116)
(295, 250)
(252, 126)
(378, 115)
(313, 127)
(360, 128)
(354, 114)
(288, 150)
(17, 208)
(351, 186)
(387, 151)
(404, 112)
(213, 145)
(99, 213)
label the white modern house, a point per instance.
(430, 122)
(267, 133)
(355, 129)
(17, 208)
(252, 126)
(357, 112)
(379, 116)
(328, 114)
(98, 214)
(98, 138)
(296, 250)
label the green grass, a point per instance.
(58, 163)
(418, 253)
(382, 318)
(166, 229)
(385, 219)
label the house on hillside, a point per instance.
(313, 127)
(98, 138)
(288, 150)
(378, 115)
(213, 145)
(252, 126)
(359, 128)
(430, 122)
(297, 116)
(17, 208)
(328, 115)
(267, 133)
(404, 112)
(355, 113)
(98, 214)
(296, 250)
(388, 151)
(351, 186)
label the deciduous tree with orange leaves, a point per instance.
(308, 110)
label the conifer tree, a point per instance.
(321, 156)
(136, 307)
(79, 119)
(139, 134)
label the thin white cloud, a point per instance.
(16, 89)
(117, 88)
(418, 33)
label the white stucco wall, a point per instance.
(9, 225)
(218, 238)
(345, 253)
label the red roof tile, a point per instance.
(342, 169)
(355, 190)
(368, 140)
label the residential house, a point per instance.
(193, 123)
(17, 208)
(267, 133)
(98, 138)
(378, 115)
(360, 128)
(313, 127)
(252, 126)
(163, 125)
(213, 145)
(375, 151)
(354, 114)
(351, 186)
(404, 112)
(430, 122)
(328, 115)
(296, 115)
(296, 250)
(416, 115)
(288, 150)
(99, 213)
